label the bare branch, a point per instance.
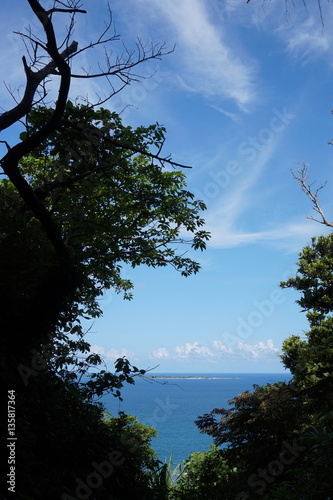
(141, 151)
(33, 81)
(32, 40)
(123, 66)
(10, 161)
(302, 180)
(6, 144)
(71, 11)
(37, 74)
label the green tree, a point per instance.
(260, 425)
(113, 203)
(81, 195)
(41, 279)
(68, 450)
(311, 359)
(253, 431)
(205, 475)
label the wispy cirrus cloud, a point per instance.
(301, 27)
(233, 205)
(290, 236)
(307, 39)
(229, 215)
(209, 64)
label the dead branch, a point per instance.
(71, 11)
(33, 80)
(121, 67)
(302, 179)
(10, 161)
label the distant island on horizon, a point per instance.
(199, 376)
(190, 376)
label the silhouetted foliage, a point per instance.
(81, 194)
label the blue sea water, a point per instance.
(173, 402)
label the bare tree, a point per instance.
(301, 176)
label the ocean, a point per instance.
(172, 402)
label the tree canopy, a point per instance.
(262, 426)
(81, 196)
(114, 202)
(311, 359)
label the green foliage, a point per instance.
(103, 382)
(297, 417)
(135, 444)
(66, 440)
(256, 424)
(311, 360)
(292, 348)
(315, 276)
(133, 441)
(205, 475)
(113, 203)
(163, 478)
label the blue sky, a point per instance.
(245, 97)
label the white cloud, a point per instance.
(209, 64)
(161, 353)
(306, 39)
(262, 349)
(229, 217)
(112, 354)
(302, 27)
(97, 349)
(192, 349)
(219, 350)
(259, 350)
(221, 221)
(290, 236)
(220, 346)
